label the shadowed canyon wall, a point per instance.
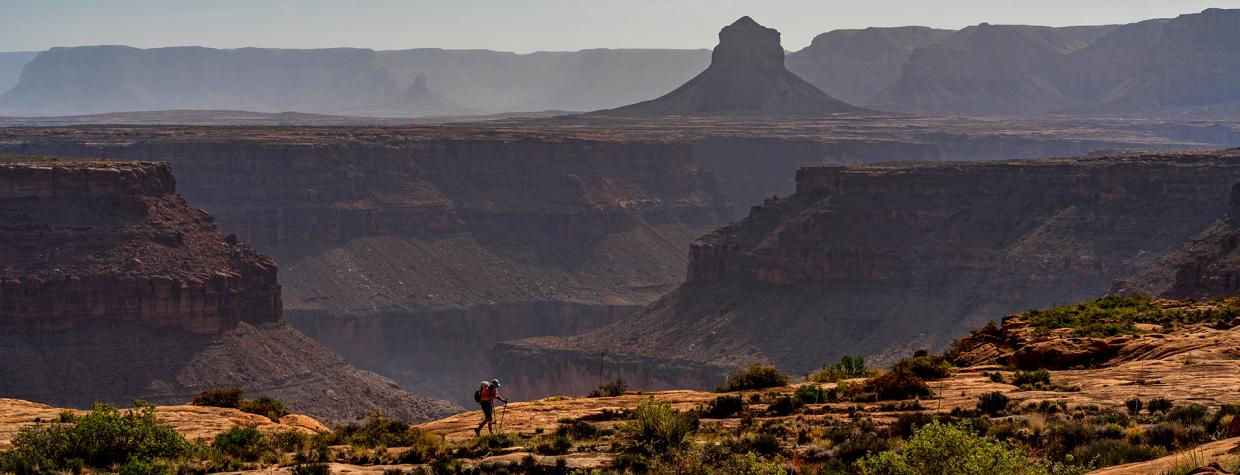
(112, 288)
(883, 260)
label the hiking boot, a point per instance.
(477, 432)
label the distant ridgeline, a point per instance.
(1186, 65)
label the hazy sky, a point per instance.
(517, 25)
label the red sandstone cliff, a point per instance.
(113, 288)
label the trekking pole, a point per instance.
(503, 412)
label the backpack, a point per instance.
(478, 396)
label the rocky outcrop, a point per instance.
(883, 260)
(854, 65)
(103, 265)
(746, 76)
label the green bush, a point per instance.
(992, 403)
(724, 407)
(264, 406)
(811, 394)
(952, 449)
(928, 367)
(896, 384)
(102, 438)
(243, 442)
(783, 406)
(1031, 378)
(553, 444)
(578, 429)
(219, 397)
(655, 429)
(847, 368)
(377, 431)
(612, 389)
(756, 376)
(1134, 405)
(1159, 404)
(1107, 452)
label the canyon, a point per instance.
(882, 260)
(114, 289)
(413, 250)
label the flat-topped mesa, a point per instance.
(746, 77)
(98, 243)
(746, 44)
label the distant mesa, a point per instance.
(746, 76)
(420, 99)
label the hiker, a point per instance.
(485, 396)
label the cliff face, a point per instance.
(883, 260)
(113, 288)
(113, 242)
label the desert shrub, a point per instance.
(783, 406)
(424, 447)
(243, 442)
(1031, 378)
(577, 429)
(311, 469)
(1134, 405)
(848, 367)
(101, 438)
(655, 429)
(136, 466)
(378, 431)
(995, 377)
(1119, 314)
(927, 367)
(724, 407)
(553, 444)
(712, 460)
(811, 394)
(264, 406)
(219, 397)
(892, 385)
(1159, 404)
(951, 449)
(1066, 436)
(908, 423)
(612, 389)
(1107, 452)
(756, 376)
(993, 403)
(1192, 414)
(763, 443)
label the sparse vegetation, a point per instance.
(612, 389)
(756, 376)
(848, 367)
(1119, 315)
(231, 398)
(655, 429)
(993, 403)
(104, 439)
(951, 449)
